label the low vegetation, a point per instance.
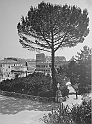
(34, 84)
(78, 114)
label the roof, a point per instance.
(8, 62)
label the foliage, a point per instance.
(82, 114)
(11, 58)
(33, 84)
(48, 93)
(62, 69)
(59, 78)
(84, 68)
(79, 114)
(49, 27)
(59, 116)
(79, 70)
(65, 23)
(65, 92)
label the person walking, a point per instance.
(76, 93)
(76, 89)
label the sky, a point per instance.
(10, 15)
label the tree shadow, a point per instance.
(10, 105)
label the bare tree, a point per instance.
(49, 27)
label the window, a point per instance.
(37, 65)
(42, 66)
(3, 65)
(49, 65)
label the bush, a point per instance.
(46, 94)
(78, 114)
(82, 114)
(32, 84)
(65, 92)
(83, 90)
(60, 116)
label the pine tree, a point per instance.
(49, 27)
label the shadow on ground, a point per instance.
(10, 105)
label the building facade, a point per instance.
(31, 65)
(43, 63)
(10, 68)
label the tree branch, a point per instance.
(43, 49)
(60, 43)
(59, 37)
(23, 38)
(47, 41)
(29, 47)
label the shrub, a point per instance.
(65, 92)
(82, 114)
(60, 116)
(46, 94)
(78, 114)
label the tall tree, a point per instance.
(49, 27)
(83, 59)
(71, 71)
(79, 70)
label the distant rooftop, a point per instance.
(8, 62)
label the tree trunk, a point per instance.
(52, 68)
(53, 73)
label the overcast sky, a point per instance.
(10, 14)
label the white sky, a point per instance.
(10, 14)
